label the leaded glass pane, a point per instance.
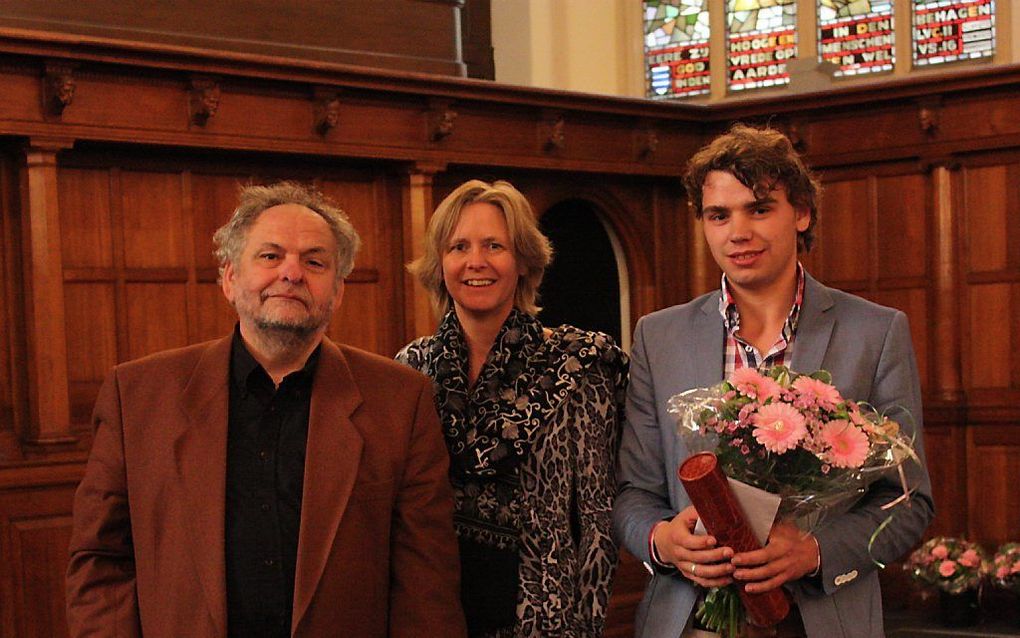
(676, 48)
(856, 35)
(761, 35)
(945, 31)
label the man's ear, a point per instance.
(803, 218)
(338, 296)
(227, 281)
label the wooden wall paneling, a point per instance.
(86, 227)
(35, 526)
(873, 240)
(987, 202)
(991, 267)
(947, 456)
(989, 124)
(368, 295)
(990, 331)
(47, 345)
(902, 229)
(357, 323)
(91, 313)
(215, 316)
(901, 258)
(418, 201)
(40, 548)
(157, 317)
(628, 590)
(946, 202)
(153, 221)
(703, 273)
(89, 284)
(213, 199)
(12, 372)
(670, 267)
(843, 233)
(993, 451)
(393, 273)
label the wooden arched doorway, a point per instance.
(587, 284)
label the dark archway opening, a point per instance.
(582, 286)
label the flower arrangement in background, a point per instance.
(1006, 567)
(952, 565)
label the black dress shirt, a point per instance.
(268, 431)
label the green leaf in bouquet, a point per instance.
(822, 375)
(782, 375)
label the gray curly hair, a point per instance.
(229, 239)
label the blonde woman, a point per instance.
(531, 418)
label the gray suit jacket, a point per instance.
(867, 349)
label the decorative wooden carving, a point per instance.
(441, 119)
(58, 87)
(928, 118)
(555, 136)
(203, 99)
(648, 143)
(792, 131)
(326, 110)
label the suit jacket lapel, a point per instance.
(200, 454)
(814, 328)
(709, 345)
(331, 465)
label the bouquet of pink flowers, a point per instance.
(953, 565)
(1006, 567)
(792, 435)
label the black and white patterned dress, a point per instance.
(533, 448)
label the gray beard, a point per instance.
(285, 336)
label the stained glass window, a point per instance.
(945, 31)
(676, 48)
(856, 35)
(761, 35)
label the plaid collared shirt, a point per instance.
(739, 353)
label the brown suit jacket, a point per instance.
(376, 549)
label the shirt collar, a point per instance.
(243, 365)
(731, 315)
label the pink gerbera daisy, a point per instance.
(940, 552)
(812, 392)
(848, 445)
(779, 427)
(947, 568)
(752, 383)
(969, 558)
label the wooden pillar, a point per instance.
(49, 422)
(946, 289)
(697, 281)
(417, 208)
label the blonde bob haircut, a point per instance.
(531, 248)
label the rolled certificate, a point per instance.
(709, 491)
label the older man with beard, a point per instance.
(270, 483)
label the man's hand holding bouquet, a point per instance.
(790, 435)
